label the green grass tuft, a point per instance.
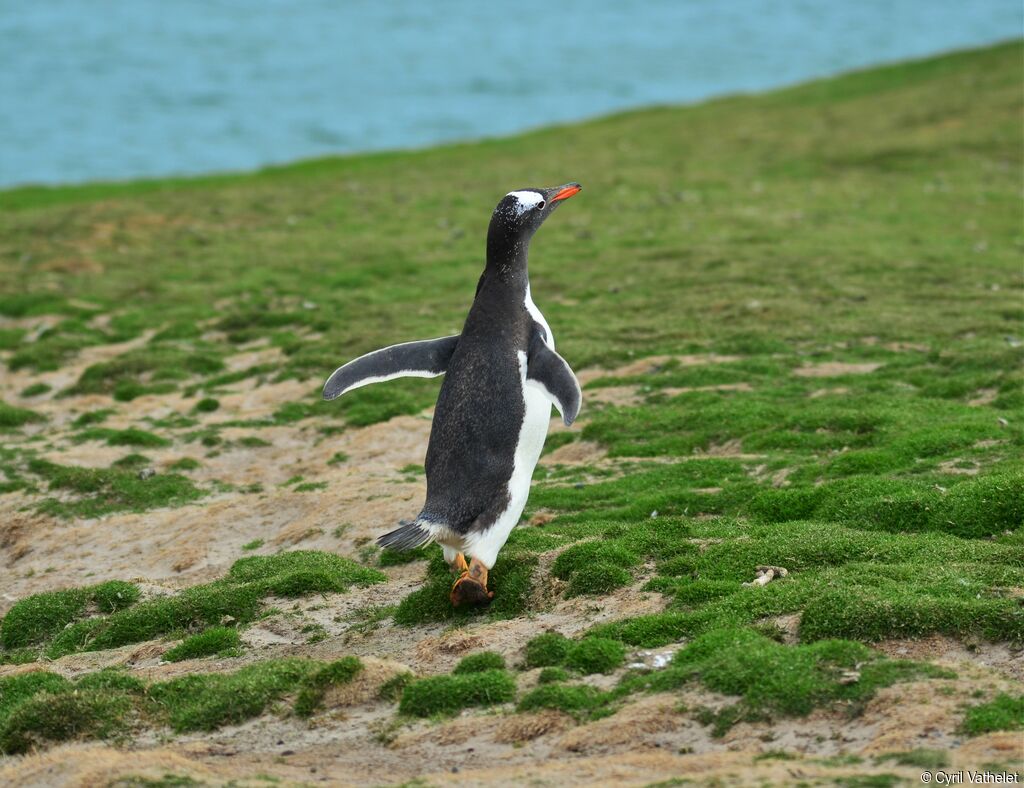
(477, 663)
(552, 675)
(449, 694)
(220, 641)
(547, 650)
(511, 580)
(207, 405)
(302, 572)
(49, 718)
(41, 616)
(1002, 713)
(101, 491)
(771, 678)
(578, 700)
(315, 686)
(205, 702)
(595, 655)
(11, 416)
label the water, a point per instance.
(115, 89)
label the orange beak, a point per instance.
(566, 192)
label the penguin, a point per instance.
(502, 375)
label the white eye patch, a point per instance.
(526, 200)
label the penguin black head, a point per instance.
(518, 216)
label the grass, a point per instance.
(450, 694)
(315, 685)
(1002, 713)
(219, 641)
(40, 708)
(58, 623)
(205, 702)
(773, 679)
(477, 663)
(11, 416)
(831, 270)
(98, 491)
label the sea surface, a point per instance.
(117, 89)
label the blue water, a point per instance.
(114, 89)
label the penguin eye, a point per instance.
(540, 205)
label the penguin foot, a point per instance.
(458, 564)
(471, 587)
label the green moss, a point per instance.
(302, 572)
(10, 338)
(50, 718)
(595, 655)
(252, 442)
(239, 596)
(930, 760)
(160, 364)
(552, 675)
(207, 405)
(315, 686)
(218, 641)
(128, 437)
(131, 462)
(18, 688)
(11, 416)
(115, 595)
(477, 663)
(310, 487)
(101, 491)
(392, 689)
(255, 544)
(868, 614)
(547, 649)
(35, 389)
(597, 579)
(91, 417)
(578, 700)
(1002, 713)
(338, 458)
(448, 694)
(974, 508)
(511, 580)
(771, 678)
(205, 702)
(40, 616)
(111, 679)
(185, 464)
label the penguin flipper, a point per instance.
(426, 358)
(555, 377)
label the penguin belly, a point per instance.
(485, 545)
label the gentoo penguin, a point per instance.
(502, 375)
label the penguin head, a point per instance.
(520, 213)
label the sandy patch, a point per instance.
(835, 369)
(650, 364)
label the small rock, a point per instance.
(147, 473)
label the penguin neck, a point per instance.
(507, 259)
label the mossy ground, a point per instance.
(59, 623)
(826, 280)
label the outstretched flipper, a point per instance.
(552, 373)
(427, 358)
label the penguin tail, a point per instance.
(408, 536)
